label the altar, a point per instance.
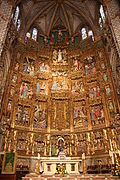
(61, 165)
(57, 166)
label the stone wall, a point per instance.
(4, 67)
(113, 10)
(5, 15)
(113, 14)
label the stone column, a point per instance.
(5, 15)
(113, 11)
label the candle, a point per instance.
(38, 155)
(83, 155)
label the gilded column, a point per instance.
(114, 143)
(105, 139)
(13, 115)
(76, 142)
(45, 149)
(71, 117)
(28, 142)
(106, 112)
(15, 140)
(65, 115)
(88, 143)
(88, 115)
(70, 149)
(49, 113)
(32, 143)
(6, 138)
(92, 143)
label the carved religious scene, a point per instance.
(42, 67)
(90, 65)
(77, 88)
(94, 92)
(22, 116)
(60, 81)
(28, 66)
(80, 115)
(97, 115)
(25, 90)
(40, 115)
(39, 144)
(42, 88)
(76, 64)
(60, 57)
(21, 145)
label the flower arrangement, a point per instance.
(60, 170)
(115, 170)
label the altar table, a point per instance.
(80, 177)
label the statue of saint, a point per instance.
(59, 56)
(61, 146)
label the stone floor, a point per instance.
(80, 177)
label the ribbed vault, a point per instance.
(61, 14)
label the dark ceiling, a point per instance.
(48, 15)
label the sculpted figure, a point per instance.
(59, 56)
